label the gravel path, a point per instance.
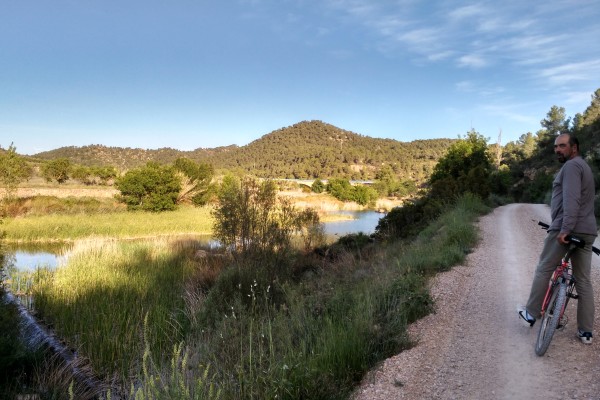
(474, 346)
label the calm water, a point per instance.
(364, 221)
(28, 257)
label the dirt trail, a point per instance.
(474, 346)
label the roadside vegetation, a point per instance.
(265, 316)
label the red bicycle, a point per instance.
(560, 290)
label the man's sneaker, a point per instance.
(585, 337)
(528, 318)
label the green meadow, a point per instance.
(118, 224)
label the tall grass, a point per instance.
(123, 224)
(71, 205)
(264, 328)
(99, 300)
(180, 383)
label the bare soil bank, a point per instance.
(319, 202)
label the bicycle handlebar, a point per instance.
(572, 239)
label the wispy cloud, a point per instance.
(465, 86)
(467, 12)
(472, 60)
(509, 111)
(535, 49)
(547, 46)
(440, 56)
(578, 99)
(342, 54)
(479, 88)
(521, 33)
(419, 38)
(571, 72)
(390, 25)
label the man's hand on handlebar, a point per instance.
(563, 238)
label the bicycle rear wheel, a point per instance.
(551, 317)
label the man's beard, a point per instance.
(562, 159)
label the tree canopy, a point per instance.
(464, 170)
(58, 170)
(195, 181)
(14, 169)
(154, 187)
(466, 167)
(249, 217)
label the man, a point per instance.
(572, 212)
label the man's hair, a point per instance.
(572, 140)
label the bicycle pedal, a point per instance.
(562, 323)
(573, 296)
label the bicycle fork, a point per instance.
(556, 280)
(570, 282)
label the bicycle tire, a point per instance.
(549, 323)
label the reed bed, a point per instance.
(99, 300)
(121, 225)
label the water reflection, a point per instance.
(28, 257)
(357, 221)
(26, 263)
(31, 256)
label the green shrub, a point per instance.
(409, 219)
(151, 188)
(364, 195)
(195, 181)
(356, 244)
(341, 189)
(58, 170)
(14, 169)
(318, 186)
(251, 218)
(465, 168)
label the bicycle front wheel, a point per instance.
(551, 317)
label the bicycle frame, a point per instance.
(562, 273)
(560, 290)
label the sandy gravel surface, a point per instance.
(474, 346)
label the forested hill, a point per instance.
(125, 157)
(316, 149)
(309, 149)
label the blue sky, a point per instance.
(187, 74)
